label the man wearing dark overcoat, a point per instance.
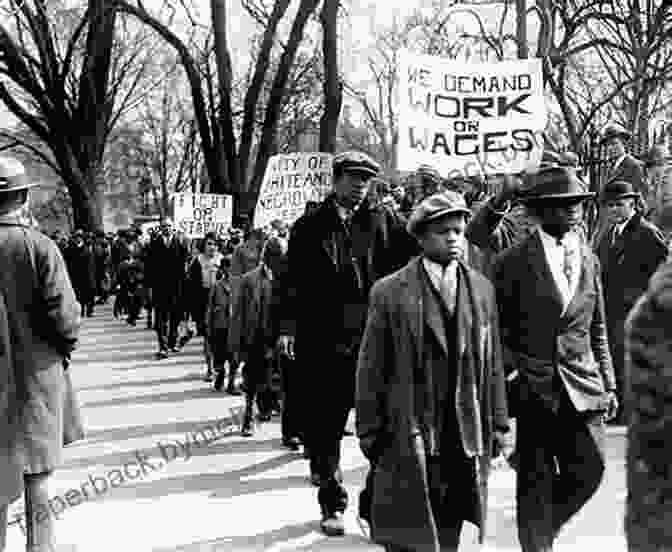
(624, 167)
(43, 319)
(430, 388)
(551, 307)
(630, 251)
(165, 273)
(335, 255)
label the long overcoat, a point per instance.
(392, 405)
(627, 264)
(44, 320)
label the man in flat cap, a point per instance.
(39, 328)
(430, 388)
(552, 320)
(630, 251)
(335, 255)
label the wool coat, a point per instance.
(44, 321)
(648, 521)
(393, 404)
(627, 264)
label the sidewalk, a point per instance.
(199, 486)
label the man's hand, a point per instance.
(612, 406)
(286, 345)
(505, 443)
(510, 188)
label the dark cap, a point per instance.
(429, 173)
(554, 183)
(13, 176)
(615, 131)
(435, 207)
(355, 162)
(617, 189)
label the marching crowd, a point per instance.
(438, 313)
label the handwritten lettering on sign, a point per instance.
(467, 119)
(198, 214)
(290, 181)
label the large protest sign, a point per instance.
(468, 119)
(291, 180)
(198, 214)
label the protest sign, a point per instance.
(291, 180)
(468, 119)
(198, 214)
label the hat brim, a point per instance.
(366, 173)
(611, 135)
(418, 225)
(557, 198)
(611, 197)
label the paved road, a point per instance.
(164, 468)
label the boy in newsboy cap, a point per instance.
(410, 368)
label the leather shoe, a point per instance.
(292, 443)
(332, 525)
(247, 430)
(315, 479)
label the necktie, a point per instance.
(568, 264)
(449, 287)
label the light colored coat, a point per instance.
(44, 320)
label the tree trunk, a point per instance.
(333, 87)
(269, 129)
(228, 157)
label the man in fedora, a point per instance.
(335, 255)
(552, 320)
(430, 388)
(42, 319)
(630, 251)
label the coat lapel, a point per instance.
(586, 272)
(433, 314)
(542, 271)
(414, 304)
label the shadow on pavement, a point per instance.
(171, 396)
(141, 383)
(276, 538)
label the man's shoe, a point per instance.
(332, 525)
(292, 443)
(161, 355)
(347, 433)
(315, 479)
(306, 452)
(264, 417)
(247, 430)
(208, 377)
(174, 349)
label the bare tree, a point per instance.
(235, 172)
(68, 74)
(333, 85)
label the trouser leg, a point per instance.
(535, 478)
(289, 421)
(325, 449)
(174, 319)
(580, 463)
(3, 527)
(161, 326)
(39, 528)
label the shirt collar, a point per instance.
(571, 239)
(620, 227)
(619, 160)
